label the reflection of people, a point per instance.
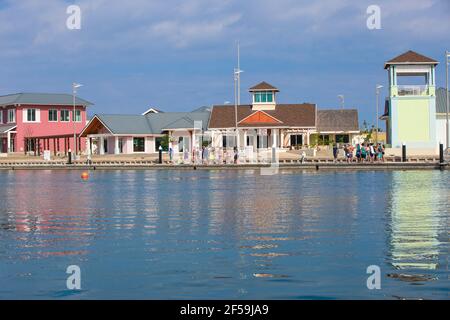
(236, 155)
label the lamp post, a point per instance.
(237, 94)
(342, 98)
(75, 86)
(378, 87)
(447, 136)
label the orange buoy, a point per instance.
(85, 175)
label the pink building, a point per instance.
(34, 122)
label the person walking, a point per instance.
(335, 152)
(372, 153)
(363, 153)
(358, 152)
(170, 155)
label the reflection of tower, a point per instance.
(415, 221)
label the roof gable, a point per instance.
(263, 86)
(260, 117)
(410, 57)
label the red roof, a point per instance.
(410, 57)
(284, 115)
(263, 86)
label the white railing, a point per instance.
(408, 90)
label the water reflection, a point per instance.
(418, 213)
(222, 233)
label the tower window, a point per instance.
(263, 96)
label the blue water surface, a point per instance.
(224, 234)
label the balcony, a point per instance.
(409, 90)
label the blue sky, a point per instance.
(179, 55)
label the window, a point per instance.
(163, 142)
(263, 96)
(138, 144)
(296, 140)
(1, 116)
(52, 115)
(228, 141)
(76, 116)
(11, 115)
(324, 139)
(120, 145)
(31, 115)
(65, 115)
(342, 138)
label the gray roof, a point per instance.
(441, 106)
(337, 120)
(6, 127)
(41, 99)
(152, 123)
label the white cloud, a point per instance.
(39, 26)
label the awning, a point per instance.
(5, 128)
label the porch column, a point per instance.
(245, 137)
(116, 145)
(8, 141)
(102, 145)
(237, 138)
(193, 140)
(89, 146)
(170, 140)
(281, 138)
(307, 137)
(274, 137)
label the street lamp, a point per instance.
(75, 86)
(378, 87)
(237, 92)
(447, 137)
(342, 98)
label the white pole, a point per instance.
(239, 75)
(378, 87)
(447, 56)
(235, 107)
(376, 129)
(73, 118)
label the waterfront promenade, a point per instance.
(288, 159)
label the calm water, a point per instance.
(224, 234)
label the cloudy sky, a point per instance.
(179, 54)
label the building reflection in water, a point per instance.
(416, 220)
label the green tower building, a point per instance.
(411, 106)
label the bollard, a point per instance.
(404, 153)
(441, 153)
(69, 161)
(160, 155)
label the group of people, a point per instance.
(365, 152)
(206, 155)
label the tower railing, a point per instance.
(412, 90)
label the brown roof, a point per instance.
(337, 120)
(263, 86)
(410, 57)
(290, 115)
